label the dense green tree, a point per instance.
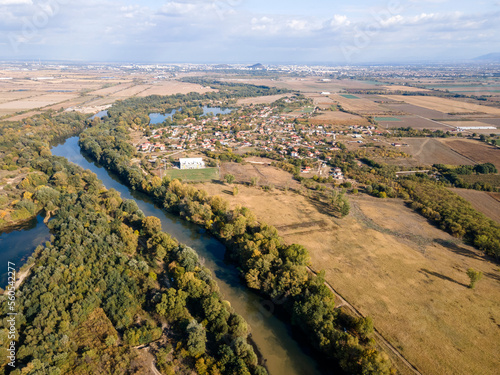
(474, 277)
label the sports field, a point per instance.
(206, 174)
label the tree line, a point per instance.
(278, 271)
(108, 280)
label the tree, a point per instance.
(474, 277)
(229, 178)
(197, 338)
(151, 225)
(173, 304)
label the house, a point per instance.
(191, 163)
(146, 146)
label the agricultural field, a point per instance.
(360, 105)
(207, 174)
(308, 84)
(428, 151)
(261, 99)
(404, 88)
(478, 151)
(471, 123)
(338, 118)
(394, 266)
(481, 201)
(413, 110)
(29, 91)
(445, 105)
(171, 87)
(414, 122)
(260, 169)
(321, 101)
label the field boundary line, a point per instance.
(382, 341)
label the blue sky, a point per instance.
(249, 31)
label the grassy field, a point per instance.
(349, 96)
(387, 119)
(206, 174)
(392, 265)
(264, 173)
(428, 151)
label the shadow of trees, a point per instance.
(440, 276)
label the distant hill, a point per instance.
(257, 67)
(489, 57)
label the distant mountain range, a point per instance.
(489, 57)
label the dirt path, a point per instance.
(386, 345)
(422, 147)
(23, 275)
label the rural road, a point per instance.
(386, 345)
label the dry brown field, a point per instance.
(174, 87)
(261, 99)
(338, 118)
(415, 122)
(466, 123)
(478, 151)
(495, 196)
(130, 91)
(404, 88)
(306, 85)
(392, 265)
(428, 151)
(113, 89)
(491, 121)
(361, 106)
(321, 101)
(481, 201)
(9, 96)
(445, 105)
(413, 110)
(88, 90)
(36, 102)
(266, 175)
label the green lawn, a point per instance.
(349, 96)
(387, 119)
(307, 109)
(206, 174)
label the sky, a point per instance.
(249, 31)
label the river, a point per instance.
(18, 243)
(158, 118)
(284, 354)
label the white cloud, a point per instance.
(178, 9)
(393, 21)
(339, 21)
(298, 25)
(16, 2)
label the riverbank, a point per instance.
(273, 337)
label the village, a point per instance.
(262, 129)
